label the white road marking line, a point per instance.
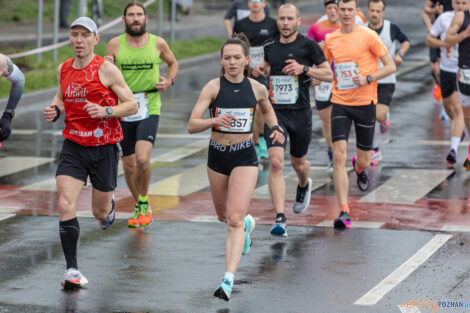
(403, 271)
(408, 186)
(437, 143)
(15, 164)
(456, 228)
(119, 215)
(317, 174)
(207, 219)
(6, 216)
(355, 224)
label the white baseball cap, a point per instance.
(86, 22)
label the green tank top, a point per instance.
(140, 68)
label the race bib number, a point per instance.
(143, 111)
(464, 76)
(243, 123)
(323, 91)
(344, 75)
(256, 56)
(453, 52)
(284, 89)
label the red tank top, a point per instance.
(79, 85)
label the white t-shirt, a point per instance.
(359, 20)
(449, 57)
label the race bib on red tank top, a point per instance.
(78, 87)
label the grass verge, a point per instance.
(42, 75)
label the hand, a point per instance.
(316, 82)
(293, 68)
(95, 110)
(398, 59)
(224, 120)
(359, 80)
(258, 70)
(278, 137)
(163, 84)
(5, 126)
(50, 113)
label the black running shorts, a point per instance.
(363, 117)
(98, 162)
(297, 125)
(448, 83)
(385, 93)
(434, 54)
(223, 159)
(141, 130)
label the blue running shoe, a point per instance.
(224, 290)
(249, 227)
(279, 230)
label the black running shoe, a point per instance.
(451, 157)
(362, 178)
(342, 221)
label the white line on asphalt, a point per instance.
(402, 272)
(355, 224)
(456, 228)
(4, 217)
(408, 186)
(182, 184)
(15, 164)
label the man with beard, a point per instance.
(138, 54)
(289, 60)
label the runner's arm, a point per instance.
(196, 123)
(452, 36)
(112, 49)
(321, 72)
(169, 58)
(434, 42)
(112, 78)
(56, 108)
(268, 112)
(388, 68)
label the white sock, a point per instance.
(454, 143)
(375, 145)
(229, 276)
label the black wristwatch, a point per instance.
(306, 69)
(276, 127)
(172, 81)
(401, 54)
(369, 79)
(109, 112)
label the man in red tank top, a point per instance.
(88, 93)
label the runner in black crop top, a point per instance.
(232, 161)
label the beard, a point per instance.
(135, 32)
(289, 34)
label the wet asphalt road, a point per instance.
(174, 266)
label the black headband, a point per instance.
(327, 3)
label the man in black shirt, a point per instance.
(288, 59)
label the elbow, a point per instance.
(393, 68)
(190, 128)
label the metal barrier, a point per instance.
(57, 44)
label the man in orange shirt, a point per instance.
(354, 50)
